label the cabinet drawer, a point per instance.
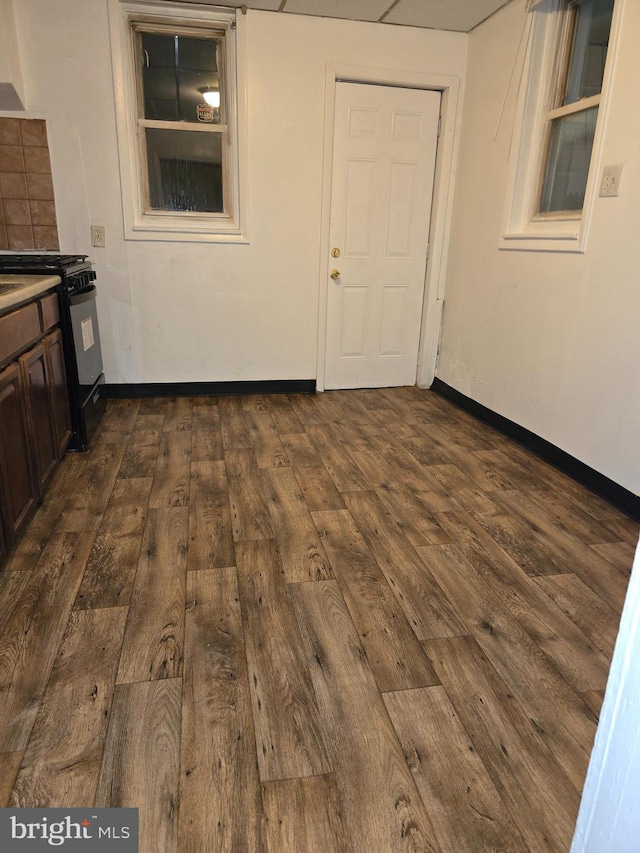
(49, 311)
(18, 329)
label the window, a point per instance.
(177, 122)
(553, 178)
(571, 119)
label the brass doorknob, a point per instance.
(335, 274)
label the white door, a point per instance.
(384, 153)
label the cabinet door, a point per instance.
(58, 391)
(3, 547)
(18, 490)
(36, 379)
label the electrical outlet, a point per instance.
(611, 178)
(98, 236)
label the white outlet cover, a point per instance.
(611, 180)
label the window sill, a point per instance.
(182, 232)
(544, 237)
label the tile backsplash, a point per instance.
(27, 205)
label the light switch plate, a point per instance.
(611, 179)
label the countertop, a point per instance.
(16, 289)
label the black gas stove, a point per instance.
(80, 333)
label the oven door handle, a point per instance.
(85, 294)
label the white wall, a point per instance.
(550, 341)
(172, 312)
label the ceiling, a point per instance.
(459, 15)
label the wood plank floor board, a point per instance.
(557, 711)
(210, 531)
(11, 586)
(301, 551)
(233, 424)
(562, 639)
(465, 494)
(589, 501)
(118, 420)
(307, 410)
(147, 428)
(484, 473)
(596, 572)
(520, 476)
(267, 445)
(318, 489)
(382, 806)
(126, 510)
(30, 638)
(110, 573)
(220, 806)
(301, 451)
(289, 735)
(532, 553)
(9, 766)
(619, 554)
(284, 415)
(464, 805)
(304, 815)
(418, 524)
(153, 406)
(593, 699)
(205, 414)
(61, 764)
(250, 517)
(394, 653)
(139, 460)
(153, 644)
(179, 414)
(87, 502)
(171, 479)
(539, 795)
(429, 612)
(141, 765)
(343, 470)
(425, 451)
(206, 446)
(589, 612)
(572, 519)
(27, 551)
(406, 469)
(255, 403)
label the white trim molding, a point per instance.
(563, 233)
(165, 225)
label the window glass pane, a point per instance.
(588, 49)
(176, 71)
(185, 170)
(159, 77)
(568, 160)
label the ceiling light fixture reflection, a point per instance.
(211, 96)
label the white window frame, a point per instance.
(187, 226)
(523, 227)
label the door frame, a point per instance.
(449, 87)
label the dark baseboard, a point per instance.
(207, 389)
(593, 480)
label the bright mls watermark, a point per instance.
(71, 830)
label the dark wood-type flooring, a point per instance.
(356, 621)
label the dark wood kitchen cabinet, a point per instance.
(18, 493)
(58, 391)
(36, 378)
(35, 420)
